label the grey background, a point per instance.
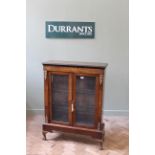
(111, 45)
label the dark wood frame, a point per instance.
(97, 131)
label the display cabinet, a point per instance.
(73, 98)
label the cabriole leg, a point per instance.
(44, 134)
(101, 142)
(103, 134)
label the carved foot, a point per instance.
(44, 134)
(101, 145)
(101, 142)
(103, 134)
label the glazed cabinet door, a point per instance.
(85, 100)
(59, 97)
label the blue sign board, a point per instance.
(62, 29)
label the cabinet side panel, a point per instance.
(97, 101)
(46, 96)
(101, 94)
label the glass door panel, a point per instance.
(59, 97)
(85, 100)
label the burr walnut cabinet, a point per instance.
(73, 97)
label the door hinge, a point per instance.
(46, 118)
(72, 107)
(101, 79)
(45, 74)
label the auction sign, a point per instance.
(63, 29)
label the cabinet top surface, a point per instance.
(75, 64)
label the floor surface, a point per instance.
(116, 139)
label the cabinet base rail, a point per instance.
(95, 133)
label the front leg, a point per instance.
(101, 142)
(44, 134)
(103, 134)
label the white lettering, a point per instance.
(63, 29)
(82, 30)
(90, 29)
(79, 29)
(50, 28)
(69, 29)
(74, 29)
